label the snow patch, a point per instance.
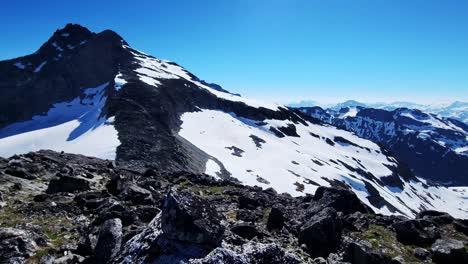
(39, 68)
(119, 81)
(20, 65)
(77, 127)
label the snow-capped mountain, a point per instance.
(93, 94)
(435, 148)
(455, 110)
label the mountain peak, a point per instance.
(66, 38)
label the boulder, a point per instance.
(252, 253)
(438, 218)
(190, 218)
(248, 201)
(449, 251)
(416, 232)
(109, 240)
(277, 217)
(461, 225)
(340, 199)
(16, 245)
(322, 233)
(363, 253)
(421, 253)
(20, 173)
(68, 184)
(137, 195)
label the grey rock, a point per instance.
(16, 245)
(187, 217)
(109, 240)
(252, 254)
(68, 184)
(322, 233)
(416, 232)
(421, 253)
(449, 251)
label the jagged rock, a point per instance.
(109, 240)
(113, 209)
(421, 253)
(438, 218)
(248, 201)
(449, 251)
(342, 200)
(363, 253)
(250, 216)
(252, 254)
(276, 218)
(461, 225)
(356, 221)
(20, 173)
(246, 231)
(137, 195)
(68, 184)
(47, 259)
(16, 245)
(416, 232)
(187, 217)
(321, 233)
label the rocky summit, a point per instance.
(67, 208)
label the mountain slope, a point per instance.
(435, 148)
(104, 98)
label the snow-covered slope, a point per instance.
(318, 155)
(155, 111)
(433, 146)
(74, 127)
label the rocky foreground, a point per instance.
(63, 208)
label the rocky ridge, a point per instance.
(65, 208)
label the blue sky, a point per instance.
(281, 50)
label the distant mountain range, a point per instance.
(435, 147)
(456, 110)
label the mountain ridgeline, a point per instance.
(91, 93)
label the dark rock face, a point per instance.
(189, 218)
(68, 184)
(449, 251)
(109, 240)
(322, 232)
(65, 71)
(416, 232)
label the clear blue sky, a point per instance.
(278, 49)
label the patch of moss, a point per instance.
(231, 215)
(383, 239)
(266, 214)
(204, 191)
(54, 227)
